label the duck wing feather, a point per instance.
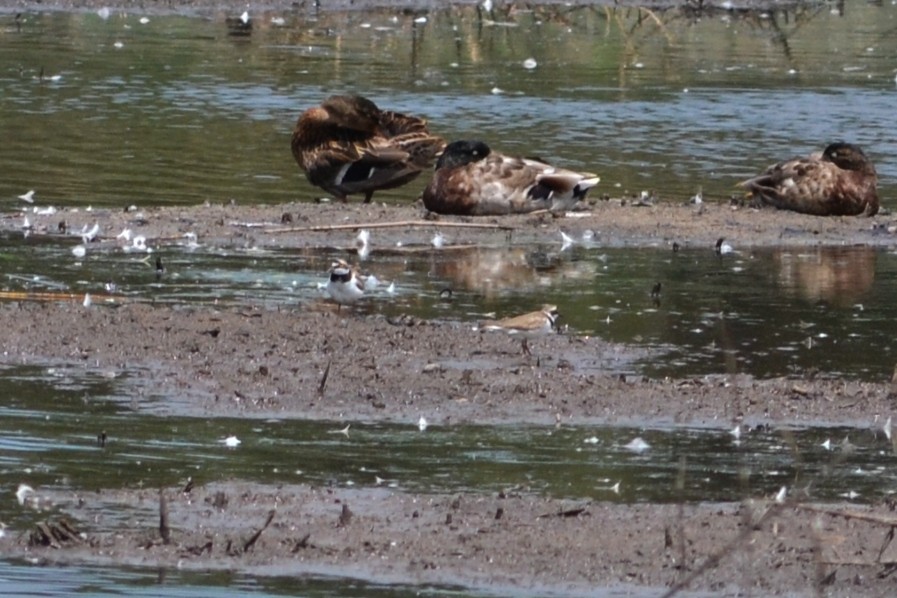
(815, 186)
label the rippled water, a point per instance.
(25, 580)
(54, 415)
(176, 111)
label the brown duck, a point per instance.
(839, 182)
(471, 179)
(347, 145)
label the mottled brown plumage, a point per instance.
(528, 325)
(839, 182)
(347, 145)
(471, 179)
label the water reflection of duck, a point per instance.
(839, 276)
(492, 272)
(471, 179)
(840, 181)
(348, 145)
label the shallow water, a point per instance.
(53, 416)
(22, 579)
(765, 312)
(176, 111)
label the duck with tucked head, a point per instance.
(472, 180)
(347, 145)
(841, 181)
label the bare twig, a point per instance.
(889, 537)
(252, 540)
(858, 563)
(870, 517)
(370, 225)
(714, 559)
(574, 512)
(324, 379)
(50, 296)
(164, 530)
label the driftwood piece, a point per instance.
(55, 533)
(373, 225)
(323, 382)
(254, 538)
(850, 514)
(164, 530)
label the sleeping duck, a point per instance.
(838, 182)
(347, 145)
(471, 179)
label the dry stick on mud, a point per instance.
(891, 522)
(164, 530)
(324, 379)
(871, 518)
(370, 225)
(714, 559)
(252, 540)
(680, 523)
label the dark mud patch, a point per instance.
(245, 361)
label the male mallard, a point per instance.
(839, 182)
(471, 179)
(347, 145)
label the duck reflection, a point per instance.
(840, 276)
(496, 271)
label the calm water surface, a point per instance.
(176, 111)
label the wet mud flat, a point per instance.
(309, 361)
(312, 6)
(510, 543)
(626, 222)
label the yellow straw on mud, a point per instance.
(47, 296)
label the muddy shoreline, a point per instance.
(618, 222)
(268, 361)
(507, 544)
(258, 360)
(311, 7)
